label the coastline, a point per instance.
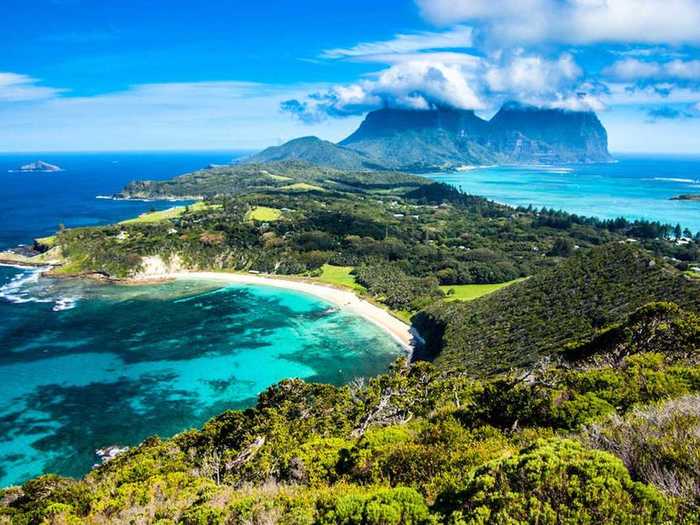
(405, 335)
(402, 333)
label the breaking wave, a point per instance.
(29, 287)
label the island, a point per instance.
(687, 197)
(558, 378)
(447, 138)
(39, 166)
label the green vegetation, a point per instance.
(302, 186)
(339, 276)
(468, 292)
(526, 321)
(46, 242)
(263, 214)
(584, 442)
(404, 236)
(170, 213)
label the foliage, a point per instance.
(519, 324)
(545, 402)
(395, 229)
(556, 481)
(659, 444)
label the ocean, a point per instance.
(84, 366)
(634, 187)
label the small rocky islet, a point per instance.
(38, 166)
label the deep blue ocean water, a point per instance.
(635, 187)
(83, 366)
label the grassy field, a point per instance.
(263, 213)
(48, 242)
(469, 292)
(339, 276)
(302, 186)
(170, 213)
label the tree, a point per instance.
(562, 248)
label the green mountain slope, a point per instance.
(519, 324)
(250, 177)
(318, 152)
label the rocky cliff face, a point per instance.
(445, 138)
(405, 139)
(524, 134)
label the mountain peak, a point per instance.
(388, 121)
(444, 138)
(316, 151)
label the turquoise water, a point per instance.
(84, 366)
(635, 187)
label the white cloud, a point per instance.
(574, 21)
(532, 77)
(684, 70)
(456, 80)
(455, 38)
(633, 69)
(18, 88)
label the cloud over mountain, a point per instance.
(461, 81)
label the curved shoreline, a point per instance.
(397, 329)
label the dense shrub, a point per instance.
(553, 482)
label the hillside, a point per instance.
(444, 138)
(522, 323)
(250, 177)
(315, 151)
(419, 445)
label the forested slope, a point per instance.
(519, 324)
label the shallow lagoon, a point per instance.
(634, 187)
(83, 366)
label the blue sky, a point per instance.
(155, 74)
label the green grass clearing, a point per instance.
(469, 292)
(302, 186)
(48, 242)
(263, 214)
(339, 276)
(170, 213)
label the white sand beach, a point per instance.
(347, 300)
